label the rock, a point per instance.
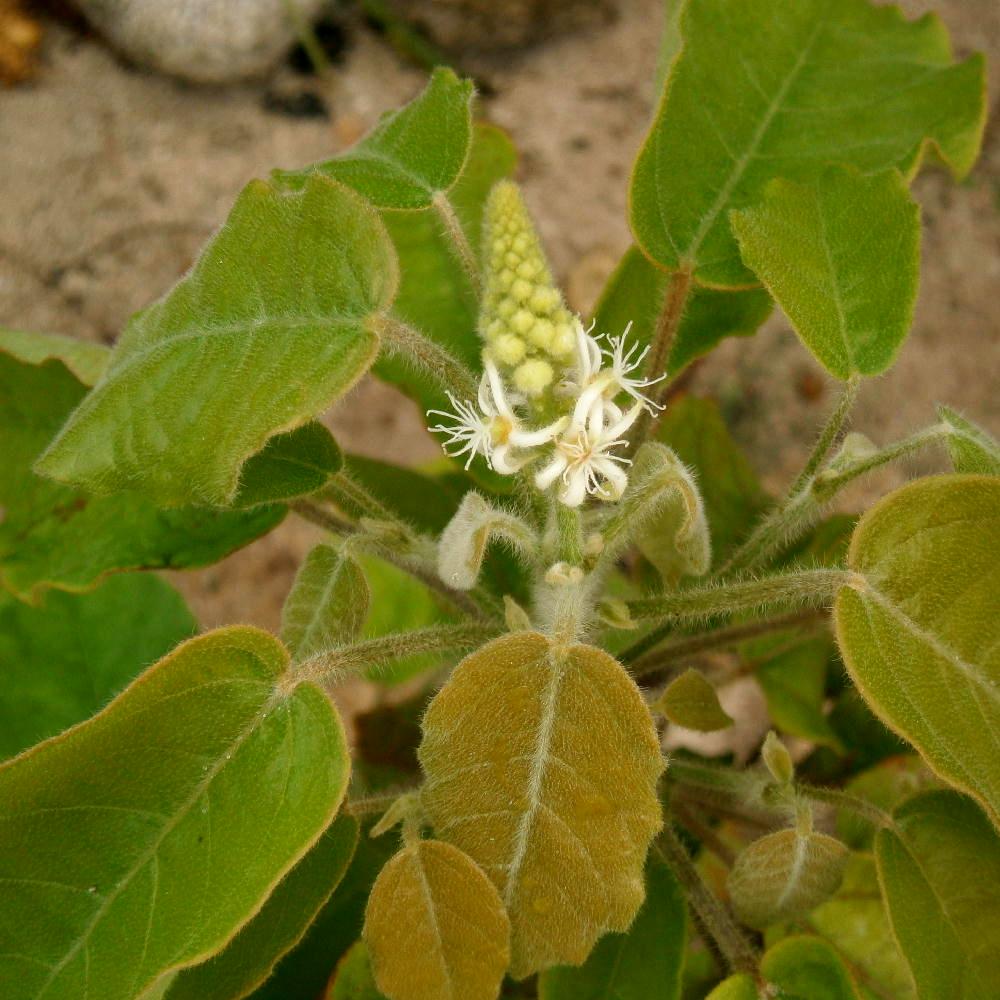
(206, 41)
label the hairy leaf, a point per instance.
(842, 257)
(970, 447)
(291, 465)
(85, 359)
(691, 701)
(635, 293)
(435, 927)
(56, 536)
(940, 871)
(412, 154)
(560, 824)
(139, 842)
(643, 964)
(62, 661)
(353, 979)
(755, 96)
(784, 875)
(806, 968)
(202, 379)
(279, 925)
(918, 627)
(327, 605)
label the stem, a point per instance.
(431, 358)
(689, 816)
(371, 804)
(344, 661)
(731, 942)
(845, 800)
(346, 492)
(664, 655)
(828, 435)
(306, 36)
(667, 325)
(459, 241)
(315, 513)
(569, 544)
(806, 588)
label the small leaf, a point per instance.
(62, 661)
(635, 293)
(690, 701)
(738, 987)
(55, 536)
(435, 927)
(784, 875)
(970, 447)
(918, 627)
(806, 968)
(751, 98)
(327, 605)
(777, 759)
(85, 359)
(842, 257)
(202, 379)
(412, 154)
(643, 964)
(191, 796)
(940, 873)
(560, 824)
(279, 925)
(291, 465)
(353, 979)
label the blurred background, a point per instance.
(127, 128)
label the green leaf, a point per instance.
(353, 979)
(62, 661)
(327, 605)
(918, 629)
(731, 492)
(841, 255)
(756, 95)
(560, 824)
(940, 873)
(278, 926)
(139, 842)
(435, 296)
(55, 536)
(738, 987)
(291, 465)
(643, 964)
(690, 701)
(267, 330)
(971, 448)
(85, 359)
(806, 968)
(412, 154)
(635, 292)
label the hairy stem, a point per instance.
(845, 800)
(689, 816)
(459, 241)
(804, 588)
(730, 941)
(828, 435)
(347, 492)
(315, 513)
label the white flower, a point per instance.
(584, 461)
(623, 363)
(468, 431)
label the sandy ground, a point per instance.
(112, 178)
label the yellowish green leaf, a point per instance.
(353, 979)
(971, 448)
(806, 968)
(738, 987)
(435, 927)
(690, 701)
(85, 359)
(561, 824)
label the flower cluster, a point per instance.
(581, 444)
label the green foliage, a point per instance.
(918, 627)
(939, 866)
(822, 249)
(165, 836)
(971, 448)
(353, 979)
(61, 662)
(691, 701)
(805, 968)
(847, 82)
(84, 359)
(225, 348)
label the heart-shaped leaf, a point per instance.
(634, 295)
(201, 379)
(560, 824)
(918, 627)
(971, 448)
(435, 927)
(806, 968)
(139, 842)
(412, 154)
(62, 661)
(754, 97)
(327, 605)
(279, 925)
(643, 964)
(939, 866)
(690, 701)
(56, 536)
(841, 255)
